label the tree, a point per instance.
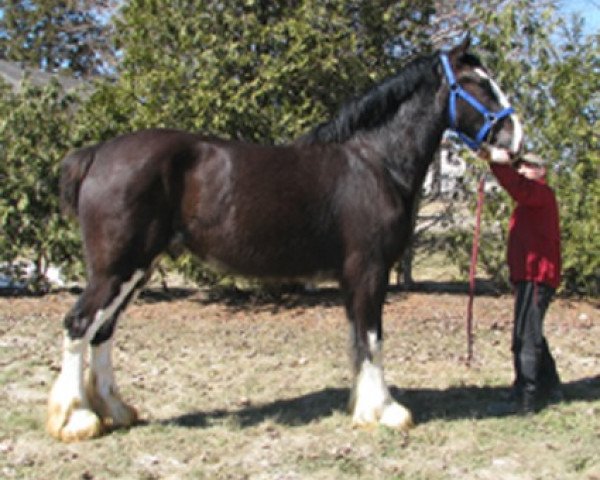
(568, 134)
(34, 134)
(262, 71)
(267, 72)
(553, 81)
(55, 36)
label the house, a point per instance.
(448, 174)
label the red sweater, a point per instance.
(534, 232)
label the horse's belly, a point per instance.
(285, 263)
(270, 271)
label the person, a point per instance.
(534, 261)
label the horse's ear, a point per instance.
(460, 50)
(464, 45)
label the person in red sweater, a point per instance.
(534, 262)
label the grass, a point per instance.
(257, 391)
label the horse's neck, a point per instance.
(407, 143)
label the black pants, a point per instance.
(535, 368)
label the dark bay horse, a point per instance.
(336, 202)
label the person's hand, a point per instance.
(493, 154)
(484, 154)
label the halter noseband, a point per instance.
(491, 118)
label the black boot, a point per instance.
(528, 404)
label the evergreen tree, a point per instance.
(269, 71)
(53, 36)
(34, 135)
(552, 77)
(262, 71)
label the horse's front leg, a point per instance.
(370, 401)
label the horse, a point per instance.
(336, 202)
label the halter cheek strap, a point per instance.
(491, 118)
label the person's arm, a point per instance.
(521, 189)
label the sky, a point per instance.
(588, 9)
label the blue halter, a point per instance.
(491, 118)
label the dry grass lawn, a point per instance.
(233, 388)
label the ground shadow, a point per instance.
(284, 297)
(470, 401)
(235, 299)
(279, 296)
(455, 403)
(481, 287)
(296, 411)
(159, 295)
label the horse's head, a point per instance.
(478, 109)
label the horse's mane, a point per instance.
(376, 106)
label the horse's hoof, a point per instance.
(364, 423)
(392, 415)
(120, 416)
(364, 417)
(81, 424)
(113, 411)
(396, 416)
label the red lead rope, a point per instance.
(473, 269)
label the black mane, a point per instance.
(376, 106)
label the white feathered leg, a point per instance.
(78, 409)
(102, 390)
(70, 417)
(371, 402)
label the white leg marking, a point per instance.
(103, 392)
(71, 415)
(101, 365)
(103, 315)
(371, 400)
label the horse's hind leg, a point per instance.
(101, 387)
(77, 411)
(102, 391)
(69, 416)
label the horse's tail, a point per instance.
(73, 170)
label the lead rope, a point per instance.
(473, 268)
